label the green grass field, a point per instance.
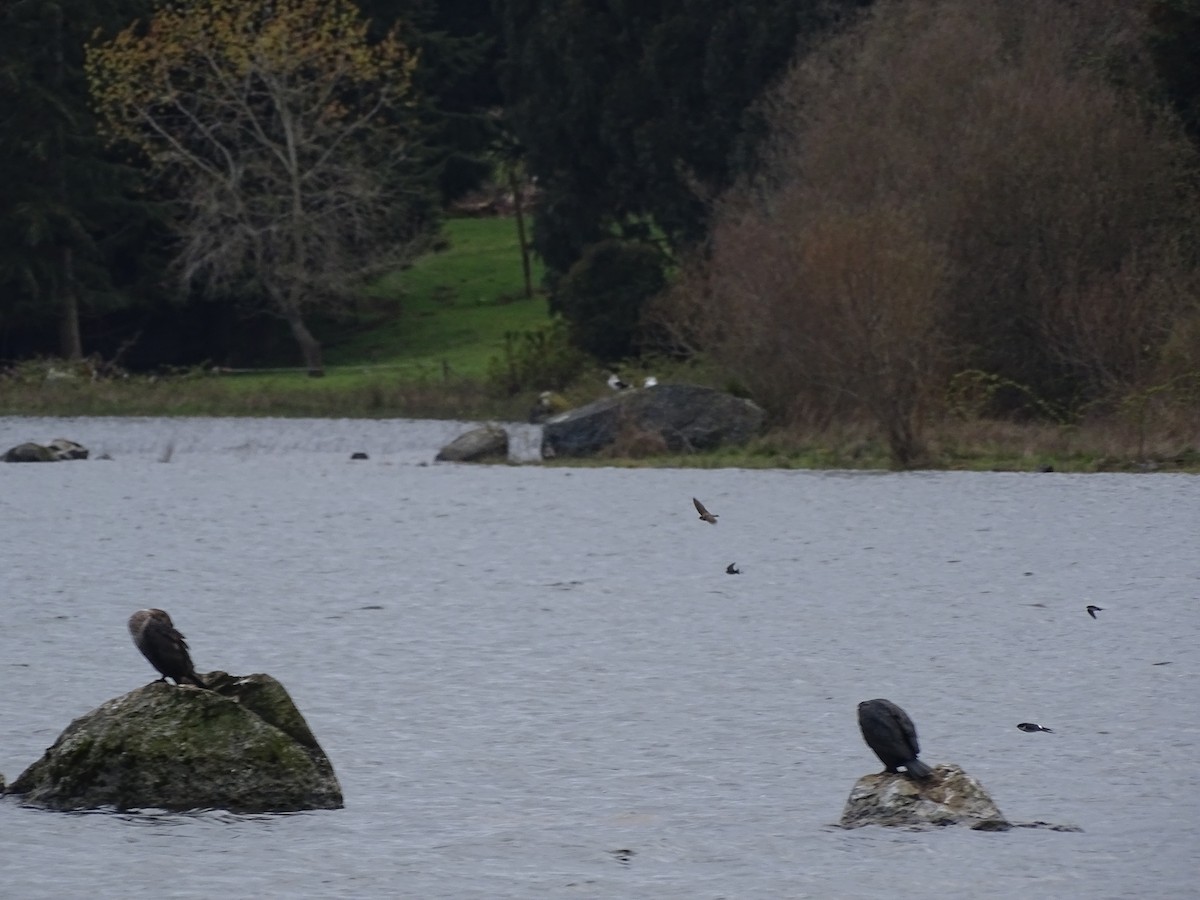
(449, 312)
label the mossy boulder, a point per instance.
(242, 746)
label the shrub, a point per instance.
(952, 185)
(602, 295)
(540, 359)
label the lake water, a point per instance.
(540, 683)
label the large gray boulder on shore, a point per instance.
(242, 746)
(685, 417)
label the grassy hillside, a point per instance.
(448, 312)
(419, 345)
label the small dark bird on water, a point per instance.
(889, 731)
(165, 647)
(1031, 727)
(732, 569)
(705, 515)
(1092, 610)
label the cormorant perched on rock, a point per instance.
(889, 731)
(165, 647)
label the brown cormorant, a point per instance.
(889, 731)
(165, 647)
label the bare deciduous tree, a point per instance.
(280, 131)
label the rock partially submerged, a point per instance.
(242, 746)
(57, 450)
(949, 796)
(683, 417)
(485, 442)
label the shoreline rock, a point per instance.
(487, 442)
(682, 418)
(241, 746)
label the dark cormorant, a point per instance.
(165, 647)
(705, 515)
(889, 731)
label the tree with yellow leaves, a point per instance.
(282, 132)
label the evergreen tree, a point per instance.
(634, 111)
(455, 85)
(68, 210)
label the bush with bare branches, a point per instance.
(952, 184)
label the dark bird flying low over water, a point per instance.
(1092, 610)
(705, 515)
(165, 647)
(732, 569)
(889, 731)
(1031, 727)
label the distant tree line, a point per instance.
(905, 190)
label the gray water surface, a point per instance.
(539, 682)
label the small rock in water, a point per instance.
(948, 796)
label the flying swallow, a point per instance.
(732, 569)
(1031, 727)
(705, 515)
(1092, 610)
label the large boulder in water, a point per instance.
(242, 746)
(685, 417)
(947, 797)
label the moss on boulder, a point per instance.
(242, 746)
